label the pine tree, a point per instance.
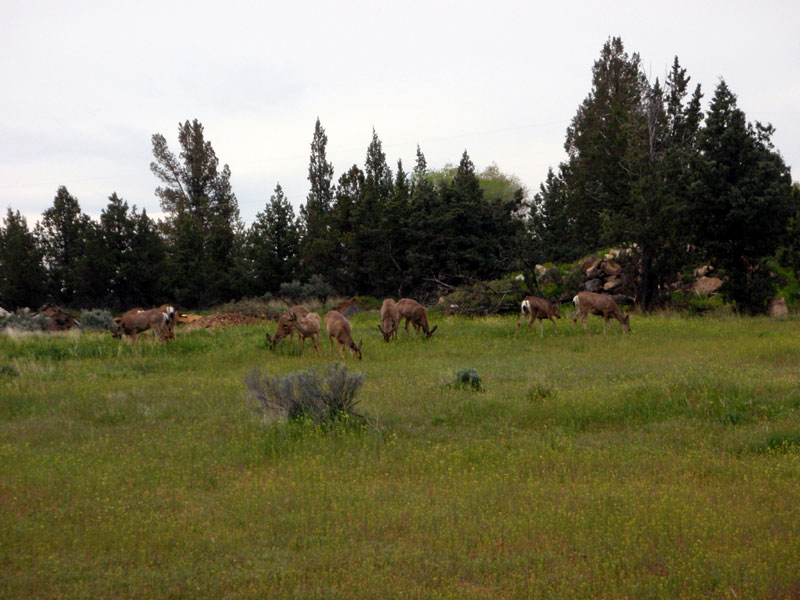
(62, 235)
(22, 273)
(318, 239)
(598, 140)
(203, 224)
(274, 244)
(135, 255)
(742, 200)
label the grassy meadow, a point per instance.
(660, 464)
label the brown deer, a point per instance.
(390, 320)
(307, 327)
(338, 327)
(599, 304)
(413, 311)
(286, 326)
(537, 308)
(136, 320)
(169, 310)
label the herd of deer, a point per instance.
(308, 325)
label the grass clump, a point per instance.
(468, 379)
(322, 397)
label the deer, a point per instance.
(413, 311)
(169, 310)
(537, 308)
(286, 326)
(307, 327)
(390, 320)
(136, 320)
(599, 304)
(337, 326)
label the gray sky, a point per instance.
(85, 84)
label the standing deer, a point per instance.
(136, 320)
(338, 327)
(537, 308)
(169, 310)
(286, 326)
(390, 320)
(307, 327)
(413, 311)
(599, 304)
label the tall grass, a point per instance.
(660, 464)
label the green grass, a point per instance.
(661, 464)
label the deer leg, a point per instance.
(554, 324)
(541, 327)
(605, 322)
(315, 341)
(330, 340)
(519, 322)
(583, 320)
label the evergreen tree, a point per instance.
(22, 274)
(203, 224)
(372, 265)
(62, 236)
(349, 192)
(135, 256)
(274, 244)
(318, 238)
(598, 140)
(550, 224)
(742, 200)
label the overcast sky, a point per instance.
(85, 84)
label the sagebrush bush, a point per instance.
(23, 319)
(321, 396)
(97, 320)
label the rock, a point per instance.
(777, 308)
(706, 285)
(702, 271)
(540, 270)
(3, 312)
(593, 285)
(521, 277)
(611, 284)
(611, 269)
(595, 271)
(588, 262)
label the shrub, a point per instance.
(318, 287)
(24, 320)
(322, 397)
(468, 379)
(97, 320)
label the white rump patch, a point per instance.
(526, 307)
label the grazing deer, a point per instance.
(599, 304)
(136, 320)
(307, 327)
(286, 326)
(413, 311)
(390, 320)
(169, 310)
(537, 308)
(338, 327)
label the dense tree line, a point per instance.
(645, 169)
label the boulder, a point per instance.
(3, 312)
(777, 308)
(588, 262)
(706, 285)
(540, 270)
(593, 285)
(612, 283)
(702, 271)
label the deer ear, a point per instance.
(361, 343)
(269, 337)
(381, 330)
(435, 327)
